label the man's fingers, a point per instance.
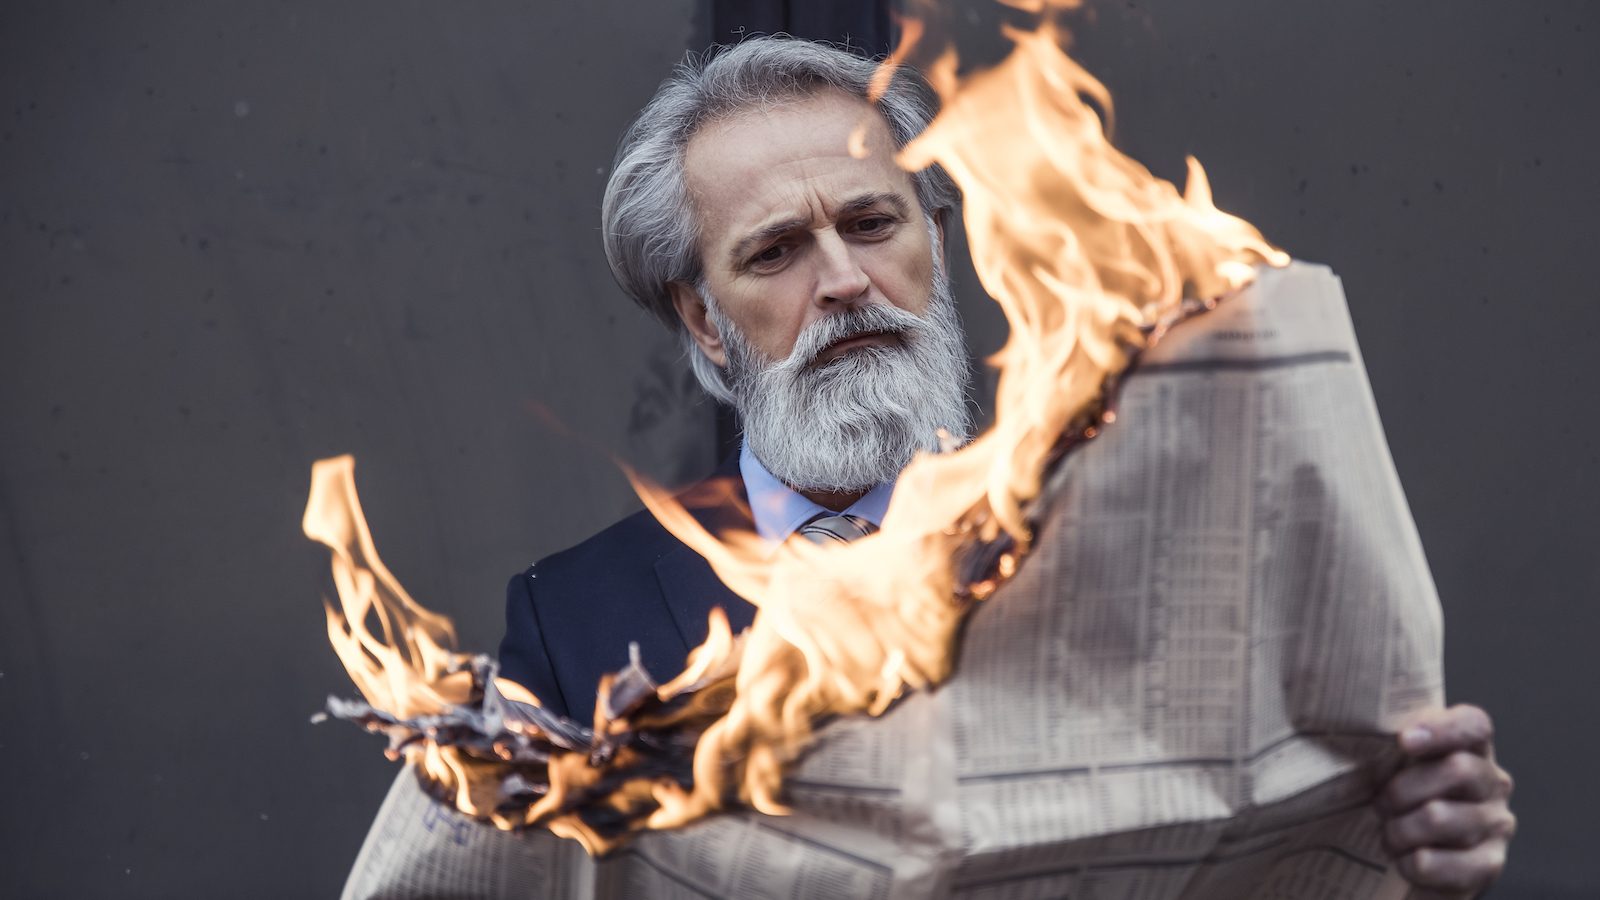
(1436, 732)
(1462, 775)
(1453, 872)
(1449, 824)
(1445, 810)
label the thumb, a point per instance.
(1440, 732)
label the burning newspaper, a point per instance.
(1186, 690)
(1176, 584)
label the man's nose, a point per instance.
(840, 278)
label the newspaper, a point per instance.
(1188, 690)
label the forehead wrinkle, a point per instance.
(818, 212)
(796, 208)
(794, 192)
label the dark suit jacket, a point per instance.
(570, 616)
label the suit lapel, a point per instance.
(689, 588)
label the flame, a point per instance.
(857, 143)
(1091, 258)
(1089, 255)
(413, 669)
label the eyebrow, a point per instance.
(856, 204)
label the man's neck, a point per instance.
(833, 500)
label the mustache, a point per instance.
(859, 321)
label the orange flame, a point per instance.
(405, 665)
(1087, 253)
(1090, 257)
(413, 669)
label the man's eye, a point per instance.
(770, 255)
(873, 224)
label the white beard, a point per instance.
(852, 423)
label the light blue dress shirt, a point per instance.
(778, 509)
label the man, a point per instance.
(808, 284)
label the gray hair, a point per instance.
(650, 232)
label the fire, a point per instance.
(414, 668)
(1091, 258)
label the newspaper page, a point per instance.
(419, 847)
(1187, 691)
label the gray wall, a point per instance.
(237, 237)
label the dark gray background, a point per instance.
(237, 237)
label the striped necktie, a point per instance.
(841, 527)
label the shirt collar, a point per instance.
(779, 510)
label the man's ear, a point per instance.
(692, 312)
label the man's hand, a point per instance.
(1446, 817)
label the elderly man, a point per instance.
(808, 284)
